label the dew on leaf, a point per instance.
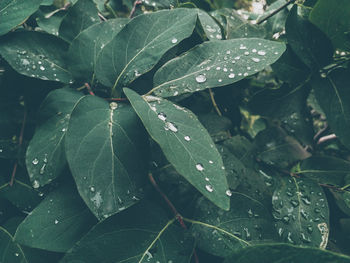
(174, 40)
(36, 184)
(211, 162)
(218, 68)
(35, 161)
(42, 68)
(256, 59)
(56, 221)
(170, 126)
(201, 78)
(187, 138)
(248, 236)
(261, 53)
(42, 169)
(199, 167)
(209, 188)
(246, 53)
(92, 189)
(162, 116)
(228, 192)
(220, 80)
(286, 219)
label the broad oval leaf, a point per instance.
(140, 234)
(63, 218)
(130, 55)
(185, 143)
(15, 12)
(247, 223)
(83, 51)
(301, 212)
(214, 64)
(106, 149)
(45, 157)
(10, 251)
(37, 55)
(283, 253)
(333, 95)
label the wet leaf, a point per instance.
(215, 64)
(210, 26)
(185, 143)
(10, 251)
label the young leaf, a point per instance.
(45, 157)
(301, 210)
(219, 233)
(140, 234)
(36, 55)
(10, 251)
(83, 51)
(131, 54)
(106, 149)
(185, 143)
(283, 253)
(63, 218)
(215, 64)
(83, 14)
(15, 12)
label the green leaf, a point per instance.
(219, 233)
(325, 170)
(15, 12)
(139, 234)
(283, 253)
(210, 26)
(130, 55)
(215, 64)
(50, 24)
(301, 211)
(333, 95)
(83, 51)
(10, 251)
(106, 149)
(80, 16)
(185, 143)
(36, 54)
(333, 20)
(63, 218)
(45, 157)
(309, 43)
(343, 200)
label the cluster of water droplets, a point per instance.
(42, 169)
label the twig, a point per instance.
(332, 187)
(65, 7)
(136, 3)
(326, 138)
(20, 141)
(101, 17)
(275, 12)
(320, 132)
(89, 89)
(211, 93)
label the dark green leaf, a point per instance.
(283, 253)
(219, 233)
(106, 149)
(215, 64)
(36, 54)
(129, 55)
(217, 126)
(80, 16)
(185, 143)
(51, 23)
(140, 234)
(301, 211)
(333, 95)
(15, 12)
(63, 218)
(342, 199)
(10, 251)
(83, 51)
(210, 26)
(45, 157)
(309, 43)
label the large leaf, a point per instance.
(63, 218)
(333, 95)
(307, 41)
(83, 51)
(301, 211)
(129, 54)
(139, 234)
(10, 251)
(220, 233)
(185, 143)
(283, 253)
(15, 12)
(106, 151)
(36, 54)
(45, 157)
(83, 14)
(215, 64)
(333, 20)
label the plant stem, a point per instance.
(211, 93)
(275, 12)
(327, 138)
(136, 3)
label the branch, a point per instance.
(275, 12)
(136, 3)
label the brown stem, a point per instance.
(211, 93)
(275, 12)
(136, 3)
(89, 89)
(326, 138)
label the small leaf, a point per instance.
(283, 253)
(185, 143)
(45, 157)
(36, 55)
(215, 64)
(106, 149)
(63, 218)
(49, 22)
(219, 233)
(130, 55)
(140, 234)
(343, 200)
(10, 251)
(301, 211)
(83, 51)
(83, 14)
(15, 12)
(210, 26)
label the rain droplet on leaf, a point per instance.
(199, 167)
(187, 138)
(209, 188)
(201, 78)
(174, 40)
(35, 161)
(113, 105)
(228, 192)
(162, 116)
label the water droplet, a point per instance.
(162, 116)
(113, 105)
(92, 189)
(294, 203)
(304, 238)
(289, 238)
(201, 78)
(64, 129)
(218, 36)
(211, 162)
(35, 161)
(246, 53)
(280, 231)
(309, 229)
(250, 213)
(42, 68)
(248, 236)
(286, 219)
(304, 214)
(228, 192)
(174, 40)
(137, 74)
(306, 200)
(42, 169)
(16, 254)
(187, 138)
(231, 76)
(36, 184)
(261, 53)
(207, 179)
(256, 59)
(242, 47)
(209, 188)
(289, 194)
(317, 210)
(170, 126)
(225, 69)
(220, 80)
(199, 167)
(323, 75)
(56, 221)
(254, 50)
(245, 74)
